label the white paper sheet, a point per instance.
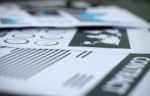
(108, 15)
(109, 40)
(99, 16)
(68, 72)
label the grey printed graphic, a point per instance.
(23, 63)
(84, 54)
(107, 38)
(124, 77)
(44, 12)
(79, 80)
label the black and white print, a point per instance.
(106, 38)
(124, 77)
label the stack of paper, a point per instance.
(101, 51)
